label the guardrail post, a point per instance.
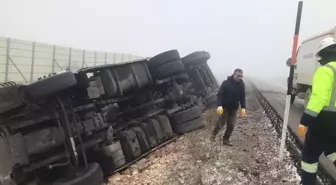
(70, 53)
(95, 58)
(53, 59)
(105, 58)
(83, 60)
(7, 59)
(18, 70)
(32, 63)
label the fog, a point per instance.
(253, 35)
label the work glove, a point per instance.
(220, 110)
(301, 130)
(242, 112)
(306, 119)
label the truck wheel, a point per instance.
(112, 157)
(168, 69)
(196, 57)
(50, 85)
(91, 176)
(189, 126)
(163, 58)
(292, 99)
(129, 144)
(161, 136)
(142, 138)
(186, 115)
(150, 131)
(166, 126)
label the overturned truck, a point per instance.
(74, 128)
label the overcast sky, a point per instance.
(255, 35)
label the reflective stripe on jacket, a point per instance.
(323, 96)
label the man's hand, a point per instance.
(220, 110)
(301, 130)
(242, 112)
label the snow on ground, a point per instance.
(194, 160)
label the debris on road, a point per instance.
(193, 159)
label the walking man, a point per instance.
(320, 113)
(230, 94)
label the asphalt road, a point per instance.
(275, 93)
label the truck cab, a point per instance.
(306, 64)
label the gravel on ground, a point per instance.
(194, 160)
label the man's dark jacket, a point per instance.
(231, 93)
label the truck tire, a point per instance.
(186, 115)
(189, 126)
(161, 137)
(50, 85)
(168, 69)
(196, 57)
(165, 123)
(111, 162)
(163, 58)
(142, 138)
(129, 144)
(112, 157)
(112, 147)
(150, 131)
(119, 162)
(92, 176)
(118, 156)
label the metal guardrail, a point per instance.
(22, 61)
(293, 144)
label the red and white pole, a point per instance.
(290, 79)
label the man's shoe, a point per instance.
(227, 142)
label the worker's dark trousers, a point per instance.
(229, 117)
(314, 146)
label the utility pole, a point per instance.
(290, 79)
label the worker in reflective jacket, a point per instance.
(320, 113)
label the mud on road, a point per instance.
(194, 160)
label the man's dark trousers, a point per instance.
(228, 117)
